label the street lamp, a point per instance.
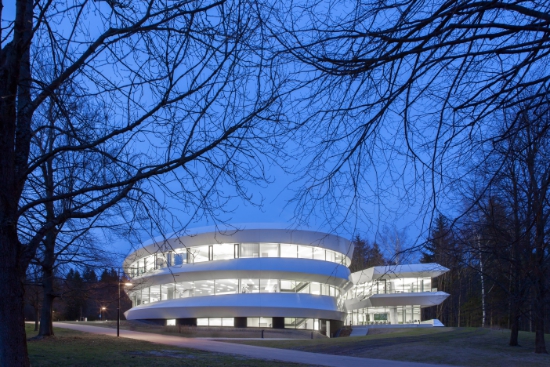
(118, 308)
(101, 313)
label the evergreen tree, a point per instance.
(366, 255)
(75, 304)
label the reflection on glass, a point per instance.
(199, 253)
(305, 252)
(315, 288)
(184, 289)
(230, 251)
(166, 291)
(232, 286)
(303, 287)
(259, 321)
(226, 286)
(287, 286)
(253, 322)
(180, 257)
(215, 321)
(330, 255)
(224, 251)
(269, 249)
(290, 323)
(250, 250)
(269, 285)
(163, 292)
(154, 295)
(288, 250)
(204, 287)
(318, 253)
(145, 295)
(250, 285)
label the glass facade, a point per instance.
(301, 323)
(212, 287)
(384, 315)
(216, 321)
(259, 322)
(388, 286)
(249, 276)
(228, 251)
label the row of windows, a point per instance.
(267, 322)
(384, 315)
(387, 286)
(228, 286)
(217, 321)
(227, 251)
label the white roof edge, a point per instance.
(431, 270)
(297, 236)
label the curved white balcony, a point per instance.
(422, 299)
(265, 268)
(252, 243)
(241, 305)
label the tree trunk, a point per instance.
(514, 323)
(14, 145)
(46, 318)
(13, 341)
(540, 294)
(36, 316)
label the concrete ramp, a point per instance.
(359, 331)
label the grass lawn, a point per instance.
(455, 346)
(74, 348)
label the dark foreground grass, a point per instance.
(455, 346)
(75, 348)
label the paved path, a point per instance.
(247, 350)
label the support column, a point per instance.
(393, 315)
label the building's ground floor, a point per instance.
(384, 315)
(326, 327)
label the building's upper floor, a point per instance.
(410, 278)
(229, 245)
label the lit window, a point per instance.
(250, 250)
(228, 321)
(171, 322)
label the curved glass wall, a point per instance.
(228, 251)
(389, 315)
(388, 286)
(214, 287)
(263, 322)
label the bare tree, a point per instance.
(33, 293)
(403, 95)
(172, 86)
(513, 230)
(400, 93)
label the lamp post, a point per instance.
(118, 308)
(101, 309)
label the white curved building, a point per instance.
(272, 278)
(249, 278)
(393, 295)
